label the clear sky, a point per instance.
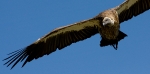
(24, 21)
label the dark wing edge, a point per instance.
(131, 8)
(57, 39)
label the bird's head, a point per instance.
(108, 21)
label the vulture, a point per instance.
(106, 23)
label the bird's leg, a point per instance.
(115, 46)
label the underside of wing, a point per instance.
(131, 8)
(57, 39)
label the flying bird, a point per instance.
(106, 23)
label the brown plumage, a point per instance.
(109, 33)
(107, 24)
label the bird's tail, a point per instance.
(113, 43)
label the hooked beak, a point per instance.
(108, 21)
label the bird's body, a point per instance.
(109, 31)
(107, 24)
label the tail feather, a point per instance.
(113, 43)
(121, 35)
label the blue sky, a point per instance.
(24, 21)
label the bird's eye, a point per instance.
(106, 20)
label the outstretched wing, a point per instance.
(58, 38)
(131, 8)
